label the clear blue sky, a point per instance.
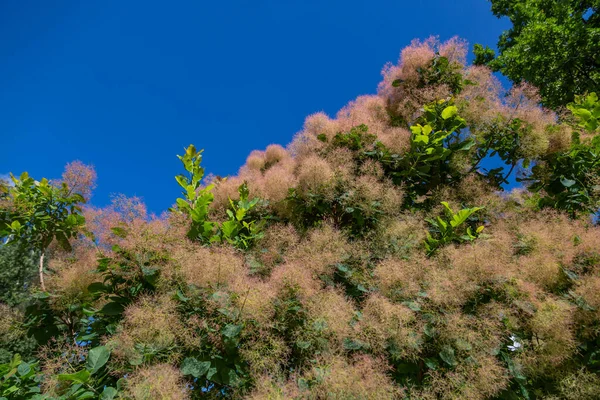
(125, 85)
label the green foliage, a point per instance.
(17, 274)
(552, 44)
(240, 230)
(504, 141)
(355, 277)
(345, 208)
(454, 228)
(358, 312)
(587, 111)
(343, 205)
(358, 138)
(432, 144)
(441, 71)
(570, 180)
(90, 379)
(291, 322)
(41, 213)
(125, 277)
(196, 198)
(435, 139)
(21, 380)
(18, 278)
(217, 367)
(483, 56)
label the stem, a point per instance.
(421, 372)
(75, 371)
(509, 172)
(487, 149)
(243, 305)
(586, 74)
(41, 272)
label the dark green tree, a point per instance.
(17, 274)
(554, 45)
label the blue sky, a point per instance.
(126, 85)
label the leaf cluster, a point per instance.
(21, 380)
(569, 180)
(40, 213)
(240, 230)
(454, 228)
(552, 45)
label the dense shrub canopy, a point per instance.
(374, 257)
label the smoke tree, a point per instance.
(377, 256)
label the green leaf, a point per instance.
(112, 308)
(583, 114)
(447, 207)
(80, 377)
(353, 344)
(63, 241)
(447, 355)
(229, 228)
(97, 287)
(421, 139)
(182, 180)
(441, 224)
(108, 393)
(240, 214)
(11, 389)
(72, 220)
(230, 330)
(197, 369)
(567, 182)
(431, 363)
(449, 112)
(182, 297)
(151, 275)
(460, 217)
(303, 384)
(183, 205)
(413, 305)
(97, 357)
(303, 344)
(466, 145)
(23, 369)
(212, 372)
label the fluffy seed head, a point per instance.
(160, 382)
